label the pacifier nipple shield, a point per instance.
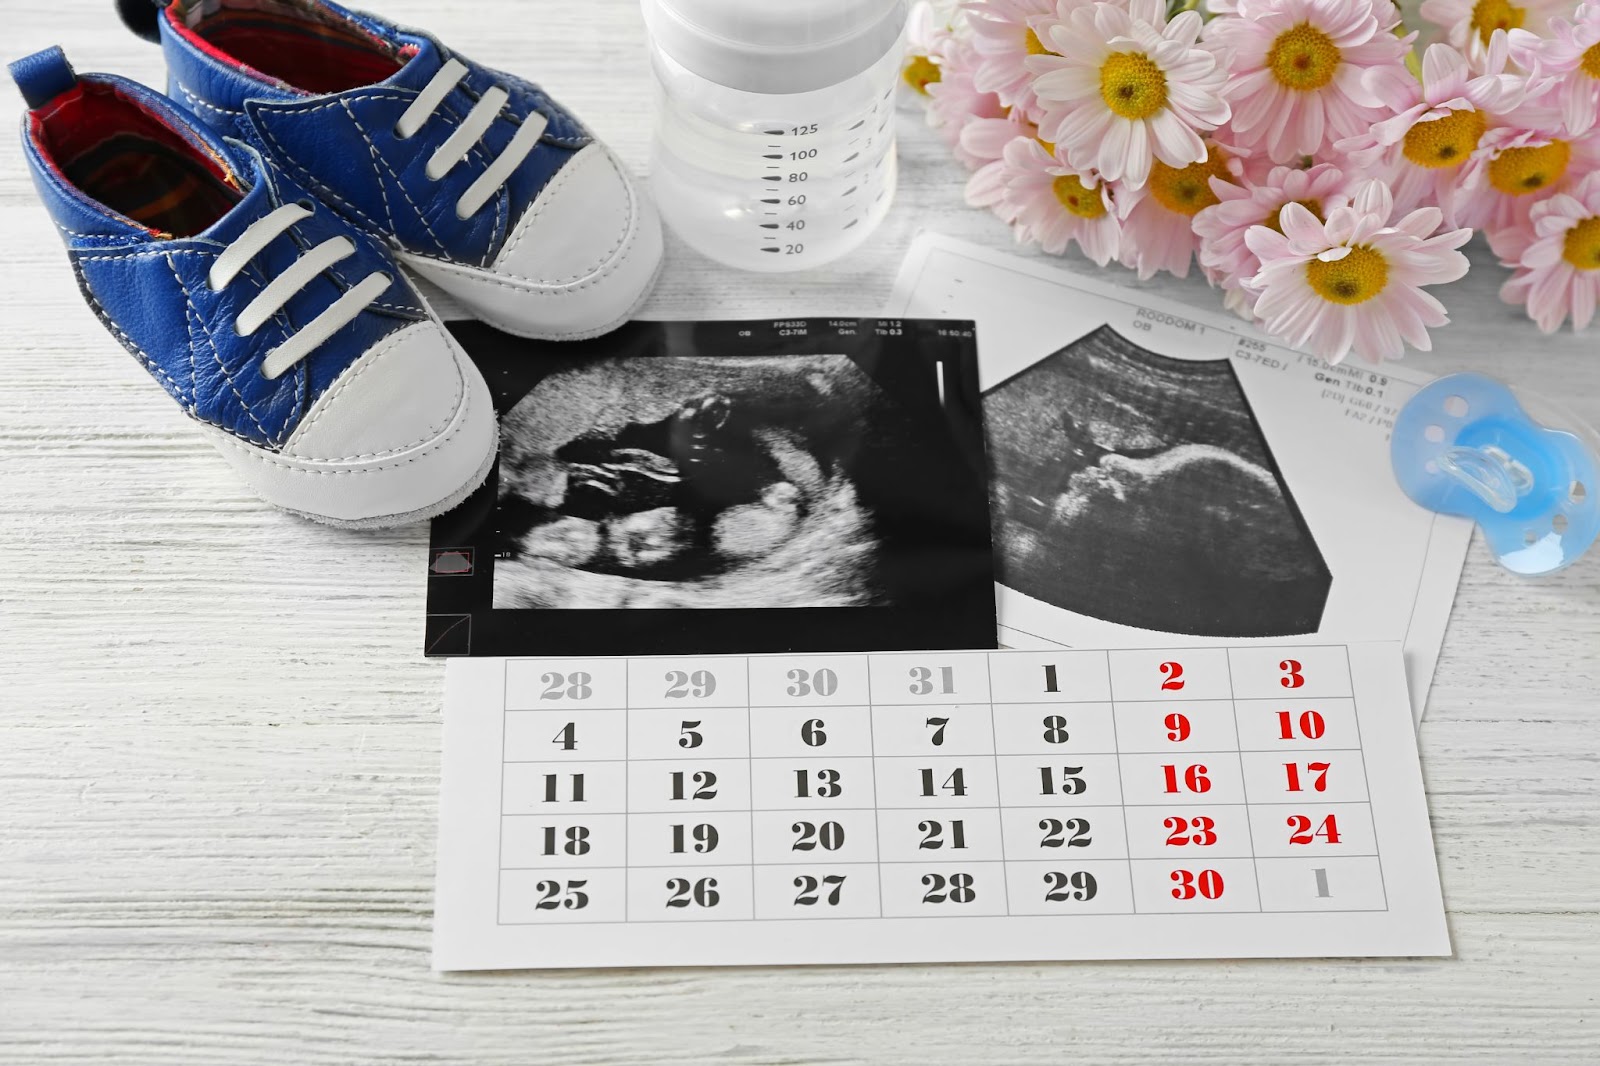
(1464, 445)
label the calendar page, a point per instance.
(1213, 802)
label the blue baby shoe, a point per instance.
(289, 336)
(478, 180)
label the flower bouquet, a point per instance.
(1322, 173)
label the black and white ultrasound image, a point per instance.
(1139, 489)
(723, 487)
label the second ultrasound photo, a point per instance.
(1139, 489)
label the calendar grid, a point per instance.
(1250, 833)
(1005, 877)
(877, 838)
(1127, 840)
(627, 731)
(750, 777)
(500, 792)
(1383, 884)
(605, 828)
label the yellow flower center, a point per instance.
(1444, 142)
(1491, 15)
(920, 72)
(1274, 221)
(1078, 199)
(1187, 190)
(1590, 64)
(1049, 146)
(1303, 58)
(1035, 46)
(1582, 248)
(1132, 85)
(1520, 171)
(1356, 278)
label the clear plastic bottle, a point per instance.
(774, 146)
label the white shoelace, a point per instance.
(469, 133)
(256, 236)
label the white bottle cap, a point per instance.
(775, 46)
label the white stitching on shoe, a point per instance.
(273, 459)
(368, 358)
(195, 101)
(139, 353)
(188, 310)
(542, 204)
(378, 161)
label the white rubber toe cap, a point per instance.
(577, 263)
(407, 431)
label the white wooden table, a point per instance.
(219, 742)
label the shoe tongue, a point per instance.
(420, 68)
(256, 200)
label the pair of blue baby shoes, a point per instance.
(243, 238)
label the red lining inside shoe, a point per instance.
(118, 153)
(294, 46)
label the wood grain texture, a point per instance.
(219, 744)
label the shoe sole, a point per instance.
(406, 518)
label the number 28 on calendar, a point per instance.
(932, 785)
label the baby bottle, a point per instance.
(774, 146)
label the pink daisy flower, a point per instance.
(1221, 228)
(954, 101)
(1128, 88)
(1004, 34)
(1469, 25)
(928, 33)
(1296, 68)
(1514, 168)
(1354, 282)
(1566, 65)
(1053, 205)
(985, 139)
(1437, 125)
(1157, 225)
(1556, 258)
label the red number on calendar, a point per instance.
(1310, 725)
(1177, 727)
(1195, 778)
(1300, 831)
(1317, 772)
(1173, 672)
(1292, 678)
(1206, 883)
(1199, 831)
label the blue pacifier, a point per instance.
(1464, 445)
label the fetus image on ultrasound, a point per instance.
(674, 482)
(1138, 489)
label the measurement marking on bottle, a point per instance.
(851, 156)
(771, 177)
(773, 133)
(772, 249)
(850, 190)
(852, 222)
(772, 201)
(779, 156)
(857, 126)
(769, 225)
